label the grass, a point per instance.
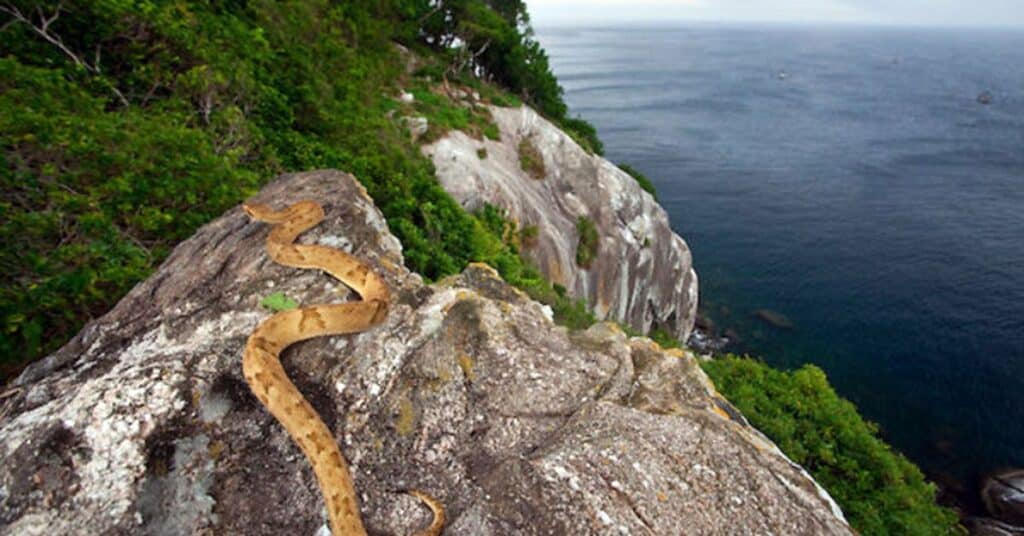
(588, 242)
(530, 159)
(641, 179)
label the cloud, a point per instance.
(959, 12)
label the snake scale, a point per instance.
(261, 364)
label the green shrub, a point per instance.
(193, 108)
(582, 133)
(445, 114)
(587, 246)
(530, 159)
(528, 236)
(641, 179)
(879, 490)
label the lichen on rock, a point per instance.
(467, 390)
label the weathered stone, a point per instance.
(1003, 494)
(643, 275)
(983, 526)
(142, 424)
(417, 126)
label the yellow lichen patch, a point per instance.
(466, 364)
(613, 327)
(406, 421)
(676, 352)
(216, 449)
(443, 373)
(487, 268)
(721, 413)
(662, 497)
(460, 296)
(197, 397)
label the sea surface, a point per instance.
(849, 179)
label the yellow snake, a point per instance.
(262, 368)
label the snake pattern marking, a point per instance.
(261, 364)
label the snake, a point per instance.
(261, 362)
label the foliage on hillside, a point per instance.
(126, 125)
(641, 179)
(879, 490)
(497, 44)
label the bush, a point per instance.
(879, 490)
(530, 159)
(587, 246)
(194, 107)
(641, 179)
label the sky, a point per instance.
(902, 12)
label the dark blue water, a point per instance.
(866, 195)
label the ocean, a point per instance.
(850, 179)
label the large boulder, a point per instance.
(643, 274)
(143, 424)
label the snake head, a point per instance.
(253, 210)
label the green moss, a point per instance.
(481, 153)
(879, 490)
(588, 242)
(530, 159)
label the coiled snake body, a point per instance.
(262, 368)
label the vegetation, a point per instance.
(444, 114)
(528, 236)
(278, 301)
(481, 153)
(586, 248)
(126, 125)
(879, 490)
(641, 179)
(530, 159)
(497, 44)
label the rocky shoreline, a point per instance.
(992, 505)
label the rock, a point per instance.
(643, 274)
(985, 98)
(774, 319)
(142, 424)
(417, 126)
(1003, 495)
(983, 526)
(704, 323)
(406, 97)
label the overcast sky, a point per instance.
(916, 12)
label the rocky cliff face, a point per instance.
(143, 423)
(642, 274)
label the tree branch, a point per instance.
(43, 30)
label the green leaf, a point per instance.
(278, 302)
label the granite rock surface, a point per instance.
(143, 424)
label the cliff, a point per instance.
(641, 273)
(143, 423)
